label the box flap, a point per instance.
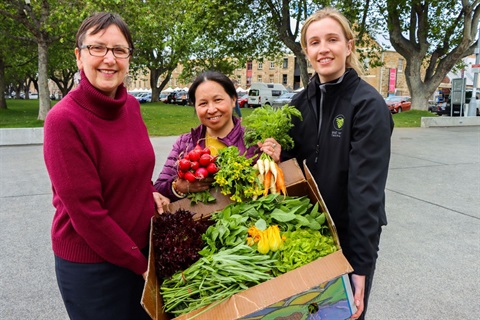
(314, 187)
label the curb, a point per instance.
(20, 136)
(427, 122)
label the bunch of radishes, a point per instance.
(197, 164)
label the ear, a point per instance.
(79, 60)
(349, 46)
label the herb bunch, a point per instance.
(268, 122)
(236, 176)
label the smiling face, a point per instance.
(214, 108)
(104, 73)
(327, 48)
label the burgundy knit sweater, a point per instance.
(100, 161)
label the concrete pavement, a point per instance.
(428, 266)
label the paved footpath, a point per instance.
(429, 258)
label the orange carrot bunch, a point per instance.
(270, 176)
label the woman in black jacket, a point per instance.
(345, 140)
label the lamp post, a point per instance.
(472, 106)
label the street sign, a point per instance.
(476, 68)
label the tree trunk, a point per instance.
(3, 101)
(302, 65)
(43, 94)
(154, 75)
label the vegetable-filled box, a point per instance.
(316, 290)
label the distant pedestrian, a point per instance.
(238, 111)
(100, 161)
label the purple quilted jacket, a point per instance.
(186, 142)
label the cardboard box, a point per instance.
(320, 289)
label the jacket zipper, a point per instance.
(320, 118)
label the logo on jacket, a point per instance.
(338, 123)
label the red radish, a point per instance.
(184, 165)
(198, 147)
(190, 176)
(181, 174)
(205, 159)
(201, 173)
(194, 165)
(206, 151)
(195, 154)
(212, 168)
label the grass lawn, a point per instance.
(161, 119)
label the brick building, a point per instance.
(390, 78)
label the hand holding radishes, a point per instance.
(195, 175)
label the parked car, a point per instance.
(261, 93)
(163, 97)
(243, 100)
(444, 108)
(142, 97)
(284, 99)
(397, 104)
(181, 98)
(171, 97)
(33, 95)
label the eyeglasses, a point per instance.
(98, 50)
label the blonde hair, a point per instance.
(329, 12)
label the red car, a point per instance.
(397, 104)
(243, 100)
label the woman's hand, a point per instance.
(160, 201)
(358, 282)
(271, 147)
(184, 186)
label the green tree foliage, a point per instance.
(433, 36)
(46, 21)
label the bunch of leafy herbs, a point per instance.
(268, 122)
(236, 176)
(177, 240)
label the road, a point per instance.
(428, 266)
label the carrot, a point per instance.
(273, 168)
(280, 182)
(266, 163)
(266, 183)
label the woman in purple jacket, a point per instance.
(213, 96)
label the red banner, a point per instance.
(392, 80)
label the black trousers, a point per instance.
(100, 291)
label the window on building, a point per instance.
(249, 65)
(400, 65)
(259, 78)
(260, 65)
(284, 79)
(270, 78)
(272, 65)
(285, 63)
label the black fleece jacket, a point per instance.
(345, 139)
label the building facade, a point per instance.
(388, 79)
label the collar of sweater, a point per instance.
(90, 98)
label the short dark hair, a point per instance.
(101, 21)
(216, 76)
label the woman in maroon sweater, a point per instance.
(100, 161)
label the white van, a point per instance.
(261, 93)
